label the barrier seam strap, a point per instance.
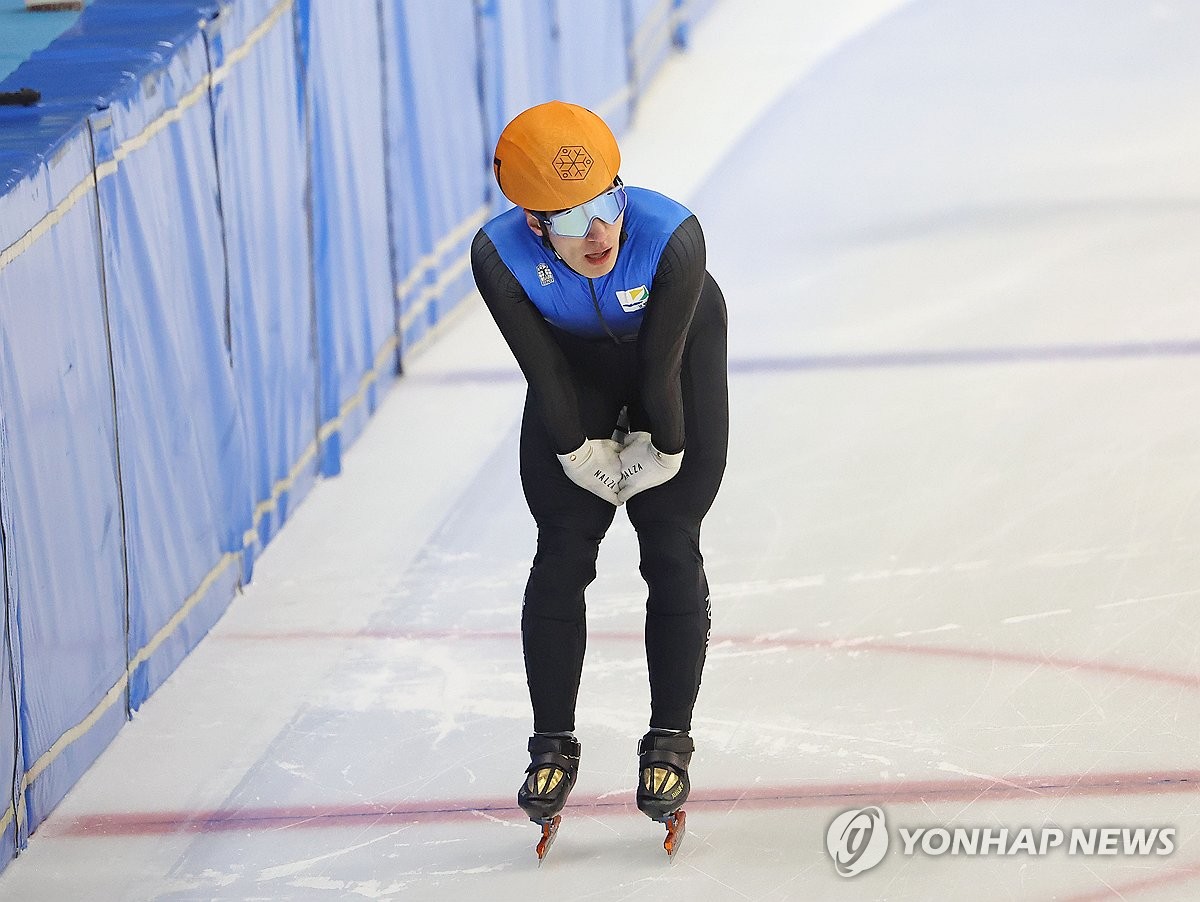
(138, 141)
(114, 394)
(387, 142)
(12, 796)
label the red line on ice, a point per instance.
(803, 795)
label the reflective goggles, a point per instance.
(577, 221)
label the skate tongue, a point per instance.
(669, 744)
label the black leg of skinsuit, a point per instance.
(571, 522)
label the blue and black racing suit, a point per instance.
(650, 338)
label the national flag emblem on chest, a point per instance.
(634, 299)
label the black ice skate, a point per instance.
(663, 782)
(549, 779)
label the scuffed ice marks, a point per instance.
(454, 586)
(447, 684)
(399, 884)
(786, 746)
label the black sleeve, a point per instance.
(538, 355)
(673, 296)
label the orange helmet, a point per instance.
(554, 156)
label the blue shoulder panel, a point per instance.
(563, 296)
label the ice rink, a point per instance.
(955, 563)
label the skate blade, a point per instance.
(676, 829)
(549, 831)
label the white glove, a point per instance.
(595, 466)
(643, 466)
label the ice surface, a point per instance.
(954, 563)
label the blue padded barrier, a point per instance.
(409, 241)
(684, 13)
(263, 167)
(184, 461)
(91, 85)
(519, 62)
(351, 252)
(601, 56)
(220, 232)
(440, 173)
(62, 512)
(654, 26)
(593, 62)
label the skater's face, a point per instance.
(593, 255)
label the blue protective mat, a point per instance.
(22, 32)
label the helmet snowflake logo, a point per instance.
(573, 163)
